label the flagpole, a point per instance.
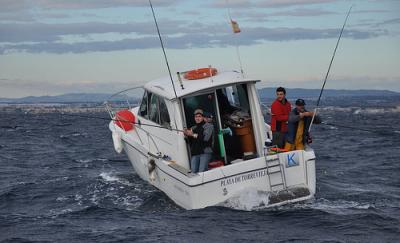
(240, 60)
(232, 22)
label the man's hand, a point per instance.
(308, 113)
(188, 132)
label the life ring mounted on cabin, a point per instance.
(200, 73)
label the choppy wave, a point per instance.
(376, 110)
(258, 200)
(73, 135)
(111, 177)
(91, 160)
(336, 206)
(361, 110)
(248, 200)
(81, 189)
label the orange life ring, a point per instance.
(125, 120)
(200, 73)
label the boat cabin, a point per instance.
(232, 102)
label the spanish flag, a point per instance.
(235, 26)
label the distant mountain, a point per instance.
(265, 93)
(67, 98)
(314, 93)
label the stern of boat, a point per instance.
(282, 178)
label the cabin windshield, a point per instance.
(233, 138)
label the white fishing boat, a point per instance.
(152, 138)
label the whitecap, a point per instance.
(373, 111)
(248, 200)
(338, 206)
(85, 161)
(61, 199)
(73, 135)
(110, 177)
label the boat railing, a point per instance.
(125, 99)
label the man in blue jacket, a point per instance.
(298, 124)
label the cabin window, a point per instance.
(143, 106)
(153, 109)
(164, 115)
(233, 98)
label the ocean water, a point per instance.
(61, 181)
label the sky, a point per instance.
(51, 47)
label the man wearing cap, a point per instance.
(280, 110)
(200, 140)
(209, 130)
(298, 125)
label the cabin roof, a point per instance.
(163, 86)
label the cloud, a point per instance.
(371, 11)
(390, 21)
(299, 12)
(28, 11)
(371, 23)
(20, 87)
(52, 32)
(250, 36)
(22, 5)
(290, 3)
(90, 4)
(12, 17)
(302, 12)
(13, 6)
(268, 4)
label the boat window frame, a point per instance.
(218, 118)
(145, 94)
(168, 123)
(217, 111)
(149, 95)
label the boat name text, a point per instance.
(243, 178)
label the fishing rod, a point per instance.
(162, 46)
(329, 68)
(118, 120)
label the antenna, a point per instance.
(162, 46)
(329, 68)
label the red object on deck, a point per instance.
(215, 164)
(279, 150)
(125, 120)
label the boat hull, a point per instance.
(219, 185)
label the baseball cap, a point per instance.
(198, 111)
(300, 102)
